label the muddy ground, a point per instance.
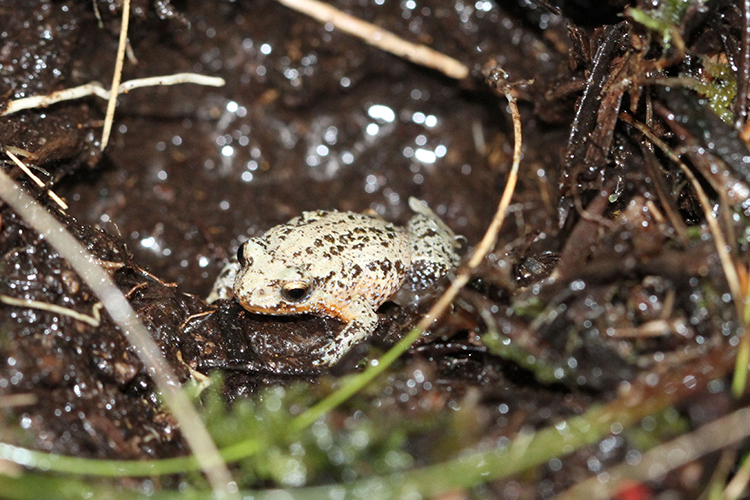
(605, 278)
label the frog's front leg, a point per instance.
(361, 321)
(222, 288)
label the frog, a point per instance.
(341, 265)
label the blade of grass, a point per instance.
(526, 451)
(126, 318)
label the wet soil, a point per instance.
(605, 271)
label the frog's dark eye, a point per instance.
(241, 256)
(296, 291)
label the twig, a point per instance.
(16, 400)
(738, 485)
(730, 271)
(94, 320)
(96, 89)
(110, 116)
(380, 38)
(97, 15)
(193, 430)
(36, 179)
(654, 328)
(462, 278)
(192, 317)
(129, 293)
(108, 264)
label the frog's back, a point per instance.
(347, 253)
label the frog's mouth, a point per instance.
(285, 309)
(278, 310)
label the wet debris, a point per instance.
(606, 278)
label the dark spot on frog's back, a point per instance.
(329, 238)
(336, 250)
(356, 270)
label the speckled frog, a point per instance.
(342, 265)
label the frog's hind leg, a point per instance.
(433, 246)
(361, 326)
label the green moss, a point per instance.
(341, 447)
(665, 18)
(657, 428)
(720, 88)
(502, 346)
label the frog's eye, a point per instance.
(296, 291)
(241, 256)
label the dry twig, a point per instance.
(730, 271)
(96, 89)
(16, 400)
(489, 240)
(36, 179)
(380, 38)
(110, 116)
(94, 320)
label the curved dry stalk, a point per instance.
(356, 383)
(126, 318)
(489, 240)
(380, 38)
